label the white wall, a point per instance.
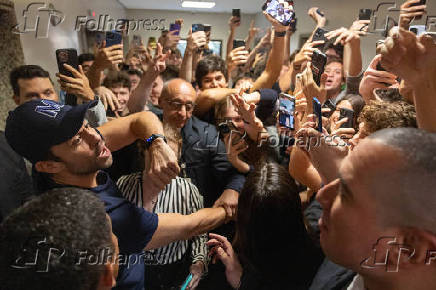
(220, 28)
(42, 51)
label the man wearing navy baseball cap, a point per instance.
(66, 151)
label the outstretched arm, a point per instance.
(174, 227)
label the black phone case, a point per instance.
(68, 56)
(422, 2)
(365, 14)
(345, 113)
(238, 43)
(236, 13)
(319, 61)
(319, 35)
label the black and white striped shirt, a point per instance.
(180, 196)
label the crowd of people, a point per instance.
(178, 172)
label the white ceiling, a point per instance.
(246, 6)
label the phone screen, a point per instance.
(318, 114)
(279, 12)
(286, 112)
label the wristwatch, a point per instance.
(153, 137)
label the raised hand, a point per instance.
(409, 57)
(409, 12)
(108, 99)
(171, 40)
(196, 40)
(234, 22)
(236, 57)
(344, 36)
(157, 64)
(222, 250)
(310, 88)
(77, 85)
(317, 17)
(107, 57)
(305, 54)
(374, 79)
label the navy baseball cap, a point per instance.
(35, 126)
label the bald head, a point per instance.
(397, 167)
(177, 102)
(177, 86)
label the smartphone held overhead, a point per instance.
(286, 111)
(282, 12)
(113, 38)
(319, 60)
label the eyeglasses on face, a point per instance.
(189, 107)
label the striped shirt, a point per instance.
(180, 196)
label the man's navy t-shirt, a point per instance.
(134, 228)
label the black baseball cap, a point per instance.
(35, 126)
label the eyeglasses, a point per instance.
(178, 106)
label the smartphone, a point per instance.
(227, 127)
(68, 56)
(349, 114)
(197, 27)
(318, 114)
(279, 12)
(286, 111)
(137, 40)
(186, 283)
(365, 14)
(238, 43)
(422, 2)
(319, 61)
(152, 42)
(175, 27)
(319, 35)
(113, 38)
(418, 29)
(328, 104)
(236, 13)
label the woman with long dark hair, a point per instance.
(274, 249)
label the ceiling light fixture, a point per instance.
(198, 4)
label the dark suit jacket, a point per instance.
(204, 160)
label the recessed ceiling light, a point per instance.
(198, 4)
